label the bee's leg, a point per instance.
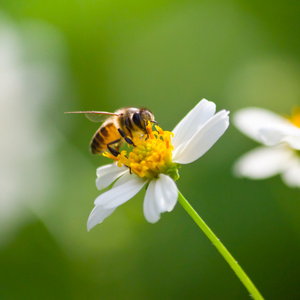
(127, 126)
(123, 135)
(113, 151)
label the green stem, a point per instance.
(223, 251)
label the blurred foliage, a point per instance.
(165, 55)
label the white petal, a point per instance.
(288, 133)
(291, 176)
(125, 178)
(97, 216)
(108, 174)
(203, 139)
(263, 162)
(120, 193)
(151, 212)
(252, 119)
(166, 193)
(161, 196)
(190, 124)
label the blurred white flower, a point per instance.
(26, 88)
(281, 139)
(155, 160)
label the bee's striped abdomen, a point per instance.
(107, 133)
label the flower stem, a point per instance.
(221, 248)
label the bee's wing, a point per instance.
(94, 116)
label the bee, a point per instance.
(119, 127)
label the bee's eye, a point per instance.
(136, 119)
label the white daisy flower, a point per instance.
(154, 163)
(30, 80)
(281, 139)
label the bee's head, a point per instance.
(146, 116)
(142, 117)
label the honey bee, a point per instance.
(119, 127)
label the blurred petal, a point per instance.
(97, 216)
(291, 176)
(161, 196)
(120, 193)
(289, 134)
(108, 174)
(263, 162)
(190, 124)
(203, 139)
(252, 119)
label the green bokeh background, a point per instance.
(164, 55)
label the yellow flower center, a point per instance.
(295, 118)
(150, 156)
